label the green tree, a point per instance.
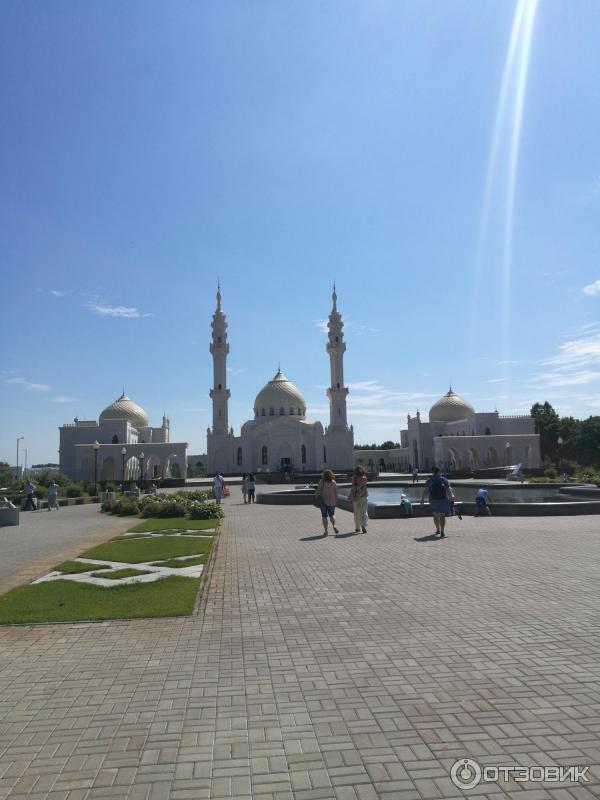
(590, 441)
(547, 424)
(6, 476)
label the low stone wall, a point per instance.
(393, 510)
(9, 516)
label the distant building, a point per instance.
(128, 445)
(457, 437)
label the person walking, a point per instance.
(30, 500)
(359, 496)
(250, 487)
(245, 487)
(438, 489)
(326, 496)
(415, 475)
(218, 486)
(52, 496)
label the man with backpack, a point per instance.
(438, 489)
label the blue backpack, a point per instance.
(437, 487)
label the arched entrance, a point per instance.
(107, 472)
(285, 459)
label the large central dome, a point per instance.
(124, 408)
(279, 397)
(450, 408)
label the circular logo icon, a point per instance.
(465, 773)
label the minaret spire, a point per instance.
(336, 348)
(219, 349)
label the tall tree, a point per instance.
(547, 424)
(590, 441)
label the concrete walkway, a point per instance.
(44, 539)
(353, 668)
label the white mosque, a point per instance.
(123, 445)
(120, 446)
(457, 437)
(279, 437)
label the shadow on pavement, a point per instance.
(313, 538)
(433, 537)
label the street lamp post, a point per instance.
(96, 447)
(123, 454)
(17, 469)
(25, 463)
(142, 469)
(507, 446)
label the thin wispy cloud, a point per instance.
(236, 370)
(104, 309)
(321, 325)
(63, 398)
(54, 292)
(28, 385)
(592, 288)
(576, 363)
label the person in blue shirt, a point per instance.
(438, 489)
(482, 503)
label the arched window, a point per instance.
(488, 432)
(262, 412)
(281, 411)
(291, 411)
(239, 456)
(271, 412)
(337, 339)
(115, 439)
(299, 412)
(219, 387)
(338, 386)
(264, 456)
(304, 454)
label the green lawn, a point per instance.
(65, 600)
(189, 562)
(114, 575)
(62, 601)
(174, 523)
(134, 551)
(73, 567)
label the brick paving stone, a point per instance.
(357, 668)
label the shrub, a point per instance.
(209, 509)
(126, 507)
(162, 507)
(108, 506)
(75, 490)
(187, 498)
(550, 472)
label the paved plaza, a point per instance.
(348, 668)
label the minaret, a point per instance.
(336, 348)
(220, 349)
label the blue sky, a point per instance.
(147, 148)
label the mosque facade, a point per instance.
(279, 437)
(456, 437)
(120, 446)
